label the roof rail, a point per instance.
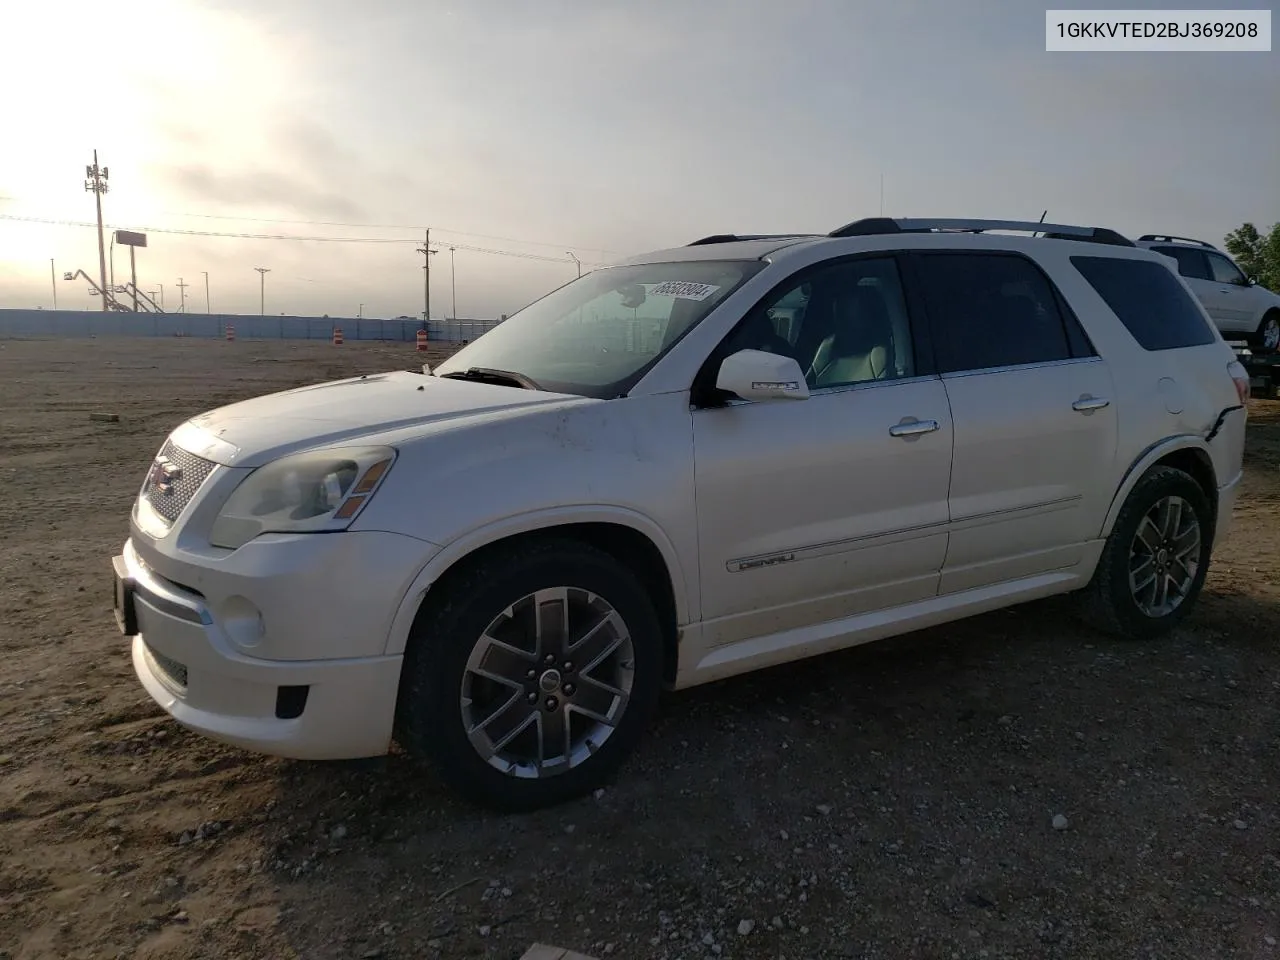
(1167, 237)
(737, 238)
(873, 226)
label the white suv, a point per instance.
(1241, 309)
(699, 462)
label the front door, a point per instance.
(1235, 297)
(814, 510)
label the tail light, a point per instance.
(1240, 377)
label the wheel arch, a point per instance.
(631, 538)
(1187, 453)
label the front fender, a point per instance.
(547, 519)
(1153, 454)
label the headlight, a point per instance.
(303, 493)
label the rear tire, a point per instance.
(531, 674)
(1154, 563)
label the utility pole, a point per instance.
(453, 284)
(262, 289)
(207, 308)
(426, 252)
(95, 182)
(53, 278)
(161, 286)
(133, 278)
(577, 261)
(182, 290)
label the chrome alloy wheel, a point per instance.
(1271, 334)
(547, 682)
(1164, 556)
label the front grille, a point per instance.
(173, 671)
(174, 479)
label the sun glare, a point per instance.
(149, 84)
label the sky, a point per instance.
(526, 134)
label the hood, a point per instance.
(253, 432)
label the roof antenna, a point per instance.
(1041, 220)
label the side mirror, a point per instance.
(758, 375)
(1250, 281)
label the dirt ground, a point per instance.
(895, 800)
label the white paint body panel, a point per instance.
(788, 528)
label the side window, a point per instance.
(1224, 271)
(1149, 301)
(990, 311)
(844, 323)
(1191, 263)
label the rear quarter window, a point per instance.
(1149, 301)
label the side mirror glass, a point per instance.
(759, 375)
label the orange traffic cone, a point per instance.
(422, 341)
(337, 336)
(231, 332)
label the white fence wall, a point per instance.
(86, 323)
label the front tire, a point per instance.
(1154, 563)
(1267, 337)
(531, 674)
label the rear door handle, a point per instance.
(1085, 404)
(913, 429)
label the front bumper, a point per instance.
(189, 663)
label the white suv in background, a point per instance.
(1239, 307)
(697, 463)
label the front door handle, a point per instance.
(1085, 404)
(913, 429)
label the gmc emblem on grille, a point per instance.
(164, 474)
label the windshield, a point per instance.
(597, 335)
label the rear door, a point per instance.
(1031, 406)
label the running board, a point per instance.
(803, 642)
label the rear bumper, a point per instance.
(1228, 493)
(302, 709)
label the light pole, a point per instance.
(577, 261)
(360, 312)
(182, 290)
(53, 278)
(95, 182)
(453, 284)
(161, 286)
(262, 289)
(207, 308)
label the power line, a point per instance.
(387, 226)
(519, 254)
(379, 226)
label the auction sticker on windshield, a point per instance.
(685, 291)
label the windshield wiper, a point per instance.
(491, 375)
